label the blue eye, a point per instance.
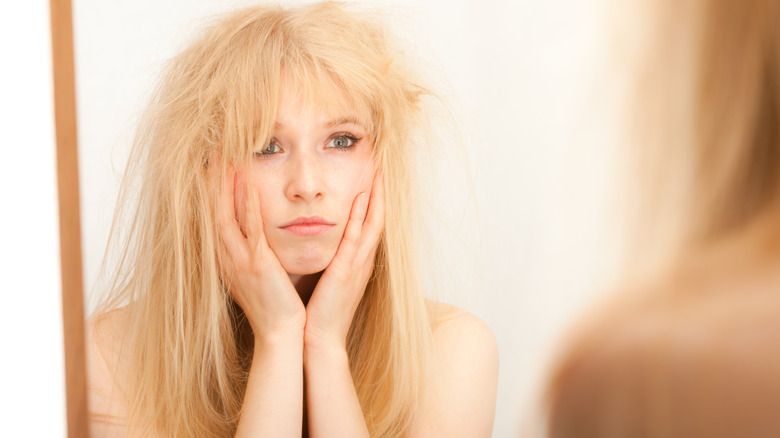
(270, 149)
(342, 141)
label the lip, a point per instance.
(307, 226)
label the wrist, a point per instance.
(274, 339)
(321, 357)
(279, 329)
(324, 346)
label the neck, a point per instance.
(305, 284)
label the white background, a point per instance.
(528, 83)
(32, 370)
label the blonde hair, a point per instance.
(705, 161)
(704, 156)
(190, 347)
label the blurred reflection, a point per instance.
(689, 346)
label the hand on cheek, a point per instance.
(249, 269)
(341, 287)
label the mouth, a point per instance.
(307, 226)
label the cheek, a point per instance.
(355, 179)
(270, 203)
(261, 184)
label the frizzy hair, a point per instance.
(189, 346)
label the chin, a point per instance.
(304, 268)
(307, 262)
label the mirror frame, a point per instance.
(69, 217)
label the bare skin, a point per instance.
(293, 340)
(691, 354)
(300, 293)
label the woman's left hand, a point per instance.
(336, 297)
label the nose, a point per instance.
(305, 178)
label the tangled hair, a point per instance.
(189, 346)
(705, 133)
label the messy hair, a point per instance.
(189, 345)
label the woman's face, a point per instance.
(307, 177)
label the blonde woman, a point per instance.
(690, 348)
(269, 285)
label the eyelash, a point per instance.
(354, 140)
(262, 153)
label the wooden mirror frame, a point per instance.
(69, 217)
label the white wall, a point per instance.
(526, 79)
(32, 371)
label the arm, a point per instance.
(333, 406)
(273, 402)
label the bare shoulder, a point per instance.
(107, 340)
(462, 393)
(700, 352)
(456, 332)
(106, 372)
(109, 328)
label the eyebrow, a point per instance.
(332, 123)
(344, 121)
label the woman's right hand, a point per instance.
(248, 267)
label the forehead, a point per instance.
(319, 99)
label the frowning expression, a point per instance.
(307, 177)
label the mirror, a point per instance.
(524, 80)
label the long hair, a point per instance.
(704, 163)
(704, 135)
(189, 345)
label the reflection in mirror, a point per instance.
(269, 237)
(523, 83)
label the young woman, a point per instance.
(269, 285)
(690, 348)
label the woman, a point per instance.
(690, 348)
(269, 285)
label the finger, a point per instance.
(375, 217)
(224, 263)
(229, 232)
(354, 226)
(239, 200)
(254, 218)
(374, 222)
(215, 190)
